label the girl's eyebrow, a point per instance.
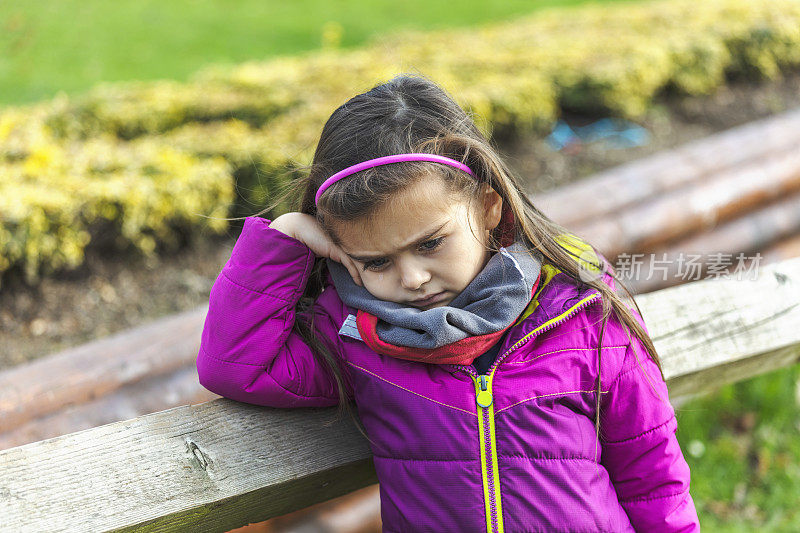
(423, 238)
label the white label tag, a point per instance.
(349, 328)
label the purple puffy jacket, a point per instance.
(514, 450)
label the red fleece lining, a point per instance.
(456, 353)
(461, 352)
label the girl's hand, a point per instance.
(307, 230)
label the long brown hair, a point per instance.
(410, 113)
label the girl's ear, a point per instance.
(492, 207)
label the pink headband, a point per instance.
(385, 161)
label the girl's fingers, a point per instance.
(312, 235)
(352, 268)
(358, 274)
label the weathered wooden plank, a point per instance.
(210, 467)
(717, 331)
(97, 368)
(223, 464)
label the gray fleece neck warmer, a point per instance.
(490, 303)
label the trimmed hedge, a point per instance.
(161, 153)
(56, 198)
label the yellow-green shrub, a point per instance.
(58, 198)
(139, 108)
(257, 157)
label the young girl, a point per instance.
(502, 382)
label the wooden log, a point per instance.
(223, 464)
(148, 395)
(638, 180)
(745, 235)
(359, 514)
(696, 208)
(92, 370)
(782, 250)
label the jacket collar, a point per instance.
(557, 297)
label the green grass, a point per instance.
(47, 46)
(742, 444)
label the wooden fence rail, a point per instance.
(223, 464)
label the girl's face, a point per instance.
(420, 251)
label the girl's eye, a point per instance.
(428, 246)
(375, 264)
(432, 244)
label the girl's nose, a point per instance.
(413, 275)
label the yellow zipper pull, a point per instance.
(484, 397)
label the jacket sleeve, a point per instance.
(248, 351)
(640, 450)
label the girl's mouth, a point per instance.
(430, 299)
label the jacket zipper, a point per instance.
(486, 429)
(489, 469)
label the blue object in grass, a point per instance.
(562, 136)
(614, 133)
